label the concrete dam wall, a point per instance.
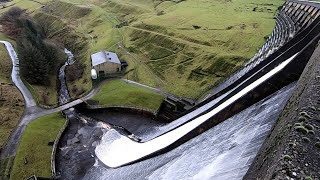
(278, 63)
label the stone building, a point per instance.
(105, 63)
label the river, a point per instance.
(64, 96)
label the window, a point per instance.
(101, 73)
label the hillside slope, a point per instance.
(177, 46)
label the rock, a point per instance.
(294, 174)
(73, 141)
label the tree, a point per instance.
(33, 64)
(38, 56)
(8, 20)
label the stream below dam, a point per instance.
(224, 152)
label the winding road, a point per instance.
(32, 110)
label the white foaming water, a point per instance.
(223, 152)
(115, 153)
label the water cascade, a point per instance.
(64, 96)
(223, 152)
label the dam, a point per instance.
(219, 138)
(278, 63)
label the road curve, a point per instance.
(15, 76)
(32, 111)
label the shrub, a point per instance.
(305, 114)
(287, 158)
(301, 129)
(302, 118)
(309, 127)
(308, 178)
(74, 71)
(305, 139)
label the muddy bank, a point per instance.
(292, 150)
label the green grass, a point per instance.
(166, 51)
(5, 63)
(185, 58)
(34, 147)
(5, 38)
(120, 93)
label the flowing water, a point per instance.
(223, 152)
(64, 96)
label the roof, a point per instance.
(104, 56)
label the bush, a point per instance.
(38, 56)
(9, 19)
(287, 158)
(74, 71)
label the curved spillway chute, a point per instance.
(116, 150)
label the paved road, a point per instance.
(29, 100)
(32, 111)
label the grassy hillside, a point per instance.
(34, 147)
(177, 46)
(11, 100)
(192, 44)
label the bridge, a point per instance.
(279, 62)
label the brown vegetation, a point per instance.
(11, 109)
(11, 101)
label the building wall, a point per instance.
(108, 68)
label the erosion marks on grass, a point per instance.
(172, 45)
(193, 43)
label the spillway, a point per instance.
(187, 148)
(277, 69)
(223, 152)
(115, 153)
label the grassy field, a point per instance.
(11, 100)
(182, 46)
(177, 46)
(34, 147)
(120, 93)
